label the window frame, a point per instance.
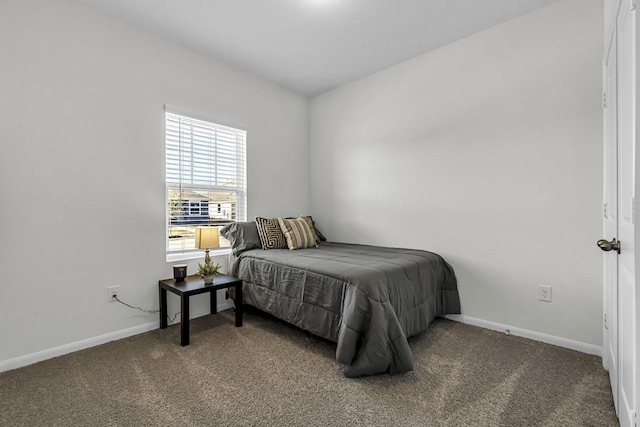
(177, 181)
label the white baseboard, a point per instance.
(525, 333)
(29, 359)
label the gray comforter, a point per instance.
(367, 299)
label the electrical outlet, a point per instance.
(544, 293)
(112, 293)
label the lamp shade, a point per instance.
(207, 238)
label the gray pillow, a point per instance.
(242, 235)
(319, 234)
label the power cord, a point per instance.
(170, 319)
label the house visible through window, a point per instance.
(206, 178)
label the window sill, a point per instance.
(186, 256)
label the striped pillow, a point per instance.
(270, 233)
(297, 233)
(311, 227)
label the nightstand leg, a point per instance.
(239, 305)
(163, 308)
(214, 301)
(184, 320)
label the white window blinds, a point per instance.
(205, 176)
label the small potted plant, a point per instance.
(208, 271)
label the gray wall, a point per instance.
(487, 151)
(82, 165)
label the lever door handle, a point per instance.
(613, 245)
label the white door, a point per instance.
(619, 264)
(610, 223)
(627, 99)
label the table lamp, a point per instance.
(207, 238)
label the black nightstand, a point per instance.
(194, 285)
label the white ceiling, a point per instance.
(312, 46)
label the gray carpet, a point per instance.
(269, 373)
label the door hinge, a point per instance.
(633, 210)
(604, 100)
(604, 210)
(605, 321)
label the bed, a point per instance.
(367, 299)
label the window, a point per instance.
(206, 179)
